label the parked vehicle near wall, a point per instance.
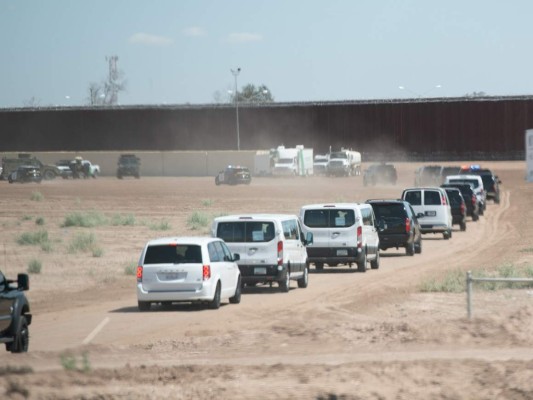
(297, 161)
(234, 175)
(10, 164)
(344, 162)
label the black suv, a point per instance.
(380, 173)
(467, 191)
(234, 175)
(397, 225)
(128, 165)
(458, 206)
(14, 313)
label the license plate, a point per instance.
(260, 271)
(171, 277)
(343, 252)
(431, 213)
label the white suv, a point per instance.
(434, 204)
(478, 187)
(343, 233)
(272, 247)
(187, 269)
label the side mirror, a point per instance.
(308, 238)
(23, 282)
(236, 257)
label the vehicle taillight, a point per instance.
(443, 200)
(280, 253)
(407, 225)
(462, 208)
(474, 200)
(139, 273)
(359, 237)
(206, 272)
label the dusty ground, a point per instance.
(347, 336)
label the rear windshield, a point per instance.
(389, 210)
(414, 197)
(454, 197)
(246, 232)
(432, 198)
(324, 218)
(474, 182)
(173, 254)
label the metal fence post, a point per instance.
(469, 294)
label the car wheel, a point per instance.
(475, 217)
(410, 249)
(285, 284)
(361, 265)
(319, 266)
(446, 235)
(21, 339)
(236, 299)
(304, 280)
(463, 226)
(374, 264)
(215, 303)
(481, 211)
(143, 305)
(49, 175)
(418, 246)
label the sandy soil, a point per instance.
(347, 336)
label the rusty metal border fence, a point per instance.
(470, 280)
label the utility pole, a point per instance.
(236, 97)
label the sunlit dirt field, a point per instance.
(347, 336)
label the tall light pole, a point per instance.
(236, 97)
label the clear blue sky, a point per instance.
(181, 51)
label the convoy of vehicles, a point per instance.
(255, 249)
(15, 314)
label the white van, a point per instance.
(343, 233)
(478, 187)
(272, 247)
(434, 204)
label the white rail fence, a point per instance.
(470, 280)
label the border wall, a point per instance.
(418, 130)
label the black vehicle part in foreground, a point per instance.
(15, 314)
(128, 165)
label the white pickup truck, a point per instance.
(84, 168)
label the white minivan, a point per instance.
(343, 233)
(187, 269)
(272, 247)
(434, 206)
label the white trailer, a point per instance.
(263, 163)
(296, 161)
(344, 162)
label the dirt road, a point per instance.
(348, 335)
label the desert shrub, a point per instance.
(26, 218)
(34, 267)
(198, 220)
(123, 220)
(131, 269)
(82, 242)
(36, 196)
(207, 202)
(16, 389)
(39, 221)
(33, 238)
(452, 282)
(84, 220)
(162, 225)
(97, 251)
